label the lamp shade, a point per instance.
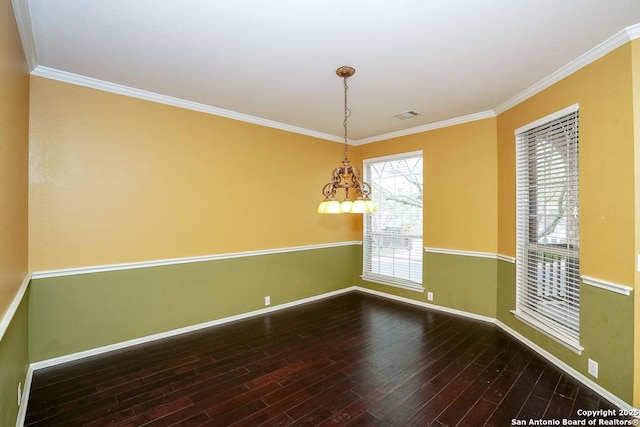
(370, 206)
(363, 206)
(330, 207)
(359, 206)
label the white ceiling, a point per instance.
(273, 62)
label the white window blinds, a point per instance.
(392, 237)
(548, 268)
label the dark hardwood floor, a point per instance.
(354, 360)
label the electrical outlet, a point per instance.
(593, 368)
(19, 394)
(429, 296)
(267, 300)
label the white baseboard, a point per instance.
(104, 349)
(149, 338)
(542, 352)
(24, 401)
(124, 344)
(566, 368)
(427, 305)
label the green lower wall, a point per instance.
(14, 360)
(606, 332)
(81, 312)
(76, 313)
(466, 283)
(459, 282)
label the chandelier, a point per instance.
(346, 176)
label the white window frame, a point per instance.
(369, 241)
(547, 274)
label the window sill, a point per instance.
(403, 284)
(545, 330)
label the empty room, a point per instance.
(319, 213)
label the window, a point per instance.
(548, 273)
(392, 246)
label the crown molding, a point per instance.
(25, 30)
(431, 126)
(612, 43)
(633, 31)
(80, 80)
(90, 82)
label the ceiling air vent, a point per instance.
(406, 115)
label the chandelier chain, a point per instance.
(347, 114)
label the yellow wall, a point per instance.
(636, 116)
(14, 161)
(14, 126)
(608, 242)
(604, 93)
(460, 183)
(115, 179)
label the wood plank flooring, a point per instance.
(354, 359)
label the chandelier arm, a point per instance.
(355, 172)
(355, 179)
(366, 189)
(329, 190)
